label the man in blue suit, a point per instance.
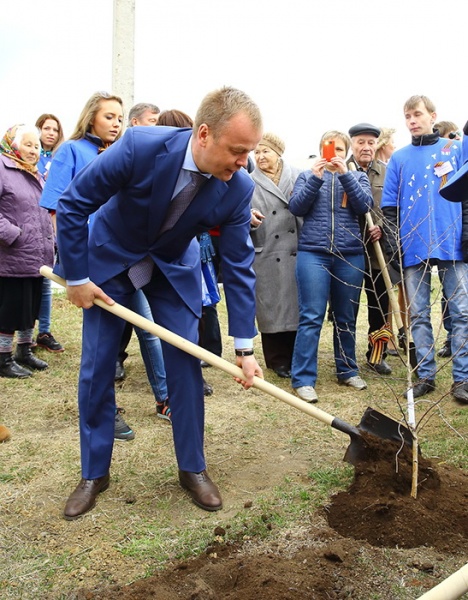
(131, 187)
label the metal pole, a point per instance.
(123, 52)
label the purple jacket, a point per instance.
(26, 234)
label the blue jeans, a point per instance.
(46, 306)
(321, 276)
(454, 279)
(150, 347)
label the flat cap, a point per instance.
(361, 128)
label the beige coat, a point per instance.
(275, 242)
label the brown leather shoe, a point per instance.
(84, 497)
(203, 491)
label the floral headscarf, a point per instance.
(7, 148)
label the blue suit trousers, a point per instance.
(96, 394)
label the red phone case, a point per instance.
(328, 150)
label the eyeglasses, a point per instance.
(454, 134)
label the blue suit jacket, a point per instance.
(130, 185)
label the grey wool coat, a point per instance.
(275, 242)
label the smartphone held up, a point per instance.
(328, 150)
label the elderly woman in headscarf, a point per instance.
(26, 243)
(275, 234)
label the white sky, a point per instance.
(310, 65)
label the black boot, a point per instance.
(9, 368)
(446, 350)
(25, 357)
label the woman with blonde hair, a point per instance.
(385, 145)
(98, 126)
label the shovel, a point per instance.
(372, 423)
(402, 339)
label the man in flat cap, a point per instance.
(423, 230)
(363, 146)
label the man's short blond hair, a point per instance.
(219, 106)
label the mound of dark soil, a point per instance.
(318, 574)
(377, 508)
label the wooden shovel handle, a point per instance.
(202, 354)
(451, 588)
(386, 277)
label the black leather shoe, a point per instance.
(84, 497)
(207, 388)
(10, 368)
(446, 350)
(382, 368)
(423, 387)
(282, 372)
(203, 491)
(119, 371)
(460, 391)
(25, 357)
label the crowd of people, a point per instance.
(134, 222)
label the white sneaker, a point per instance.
(355, 382)
(307, 393)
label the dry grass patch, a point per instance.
(275, 466)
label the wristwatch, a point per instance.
(244, 352)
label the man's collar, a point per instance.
(375, 165)
(426, 140)
(189, 163)
(358, 166)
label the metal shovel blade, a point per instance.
(386, 428)
(374, 426)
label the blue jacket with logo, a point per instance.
(416, 216)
